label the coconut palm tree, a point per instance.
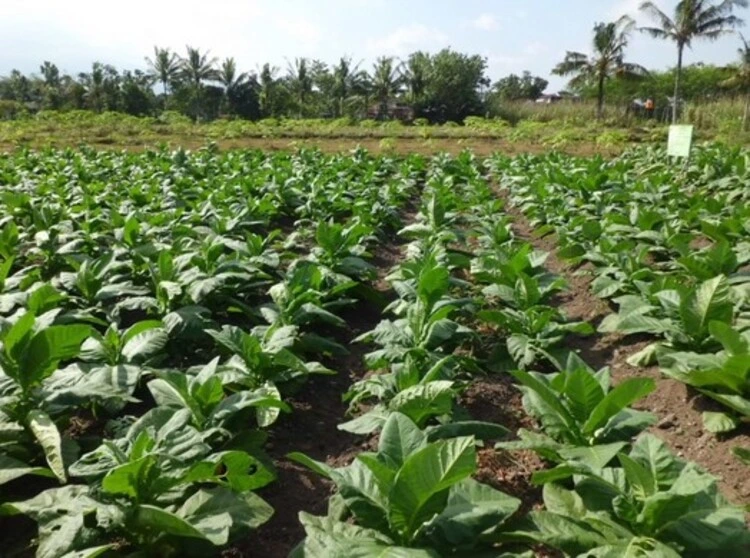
(164, 67)
(345, 78)
(267, 93)
(610, 41)
(693, 19)
(415, 75)
(196, 68)
(740, 79)
(386, 81)
(230, 79)
(300, 82)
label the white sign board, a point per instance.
(680, 141)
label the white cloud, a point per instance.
(485, 22)
(407, 39)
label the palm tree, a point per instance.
(196, 68)
(740, 79)
(300, 81)
(415, 75)
(693, 19)
(230, 79)
(610, 41)
(266, 96)
(164, 67)
(345, 78)
(386, 82)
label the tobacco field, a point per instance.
(248, 353)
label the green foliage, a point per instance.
(581, 414)
(412, 493)
(651, 504)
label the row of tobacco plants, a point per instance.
(158, 310)
(472, 299)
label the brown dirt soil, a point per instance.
(677, 407)
(495, 399)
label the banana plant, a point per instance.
(413, 497)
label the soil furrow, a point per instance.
(312, 426)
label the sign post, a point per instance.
(680, 141)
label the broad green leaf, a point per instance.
(622, 396)
(318, 467)
(222, 514)
(719, 423)
(400, 439)
(46, 433)
(562, 501)
(651, 452)
(12, 469)
(472, 509)
(548, 396)
(711, 301)
(732, 340)
(48, 347)
(145, 343)
(421, 485)
(151, 518)
(583, 393)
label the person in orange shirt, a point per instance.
(649, 106)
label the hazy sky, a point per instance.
(514, 35)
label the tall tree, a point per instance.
(415, 75)
(165, 67)
(196, 68)
(693, 19)
(345, 77)
(453, 89)
(740, 79)
(231, 80)
(386, 82)
(525, 87)
(268, 87)
(51, 86)
(300, 82)
(607, 61)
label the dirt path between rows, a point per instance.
(677, 407)
(312, 426)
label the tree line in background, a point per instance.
(441, 87)
(444, 86)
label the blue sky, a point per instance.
(514, 35)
